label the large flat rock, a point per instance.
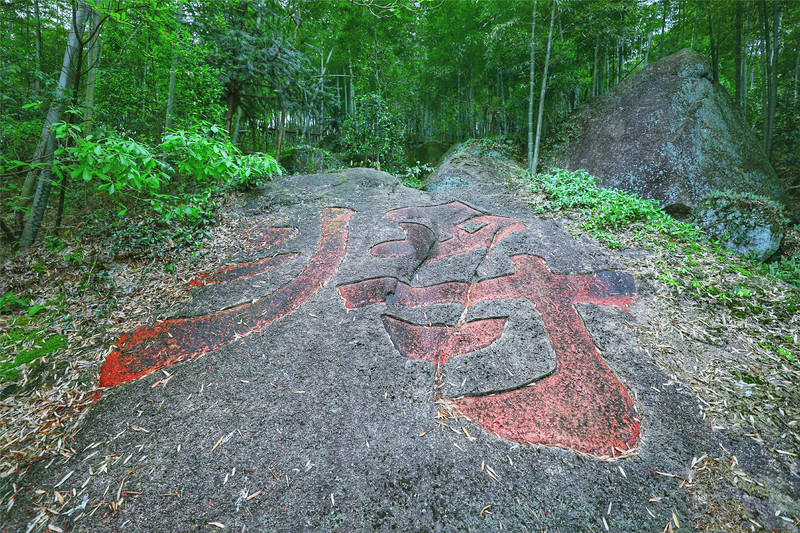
(391, 359)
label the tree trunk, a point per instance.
(595, 79)
(47, 142)
(714, 48)
(664, 10)
(738, 56)
(233, 105)
(530, 95)
(173, 74)
(745, 69)
(91, 78)
(796, 77)
(766, 73)
(44, 184)
(544, 87)
(237, 125)
(773, 87)
(471, 108)
(37, 83)
(503, 104)
(281, 130)
(352, 90)
(647, 47)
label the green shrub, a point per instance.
(374, 132)
(786, 268)
(609, 210)
(176, 183)
(414, 176)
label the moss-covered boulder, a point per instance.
(428, 153)
(303, 160)
(668, 132)
(745, 224)
(471, 162)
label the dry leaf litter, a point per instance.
(42, 409)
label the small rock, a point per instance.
(746, 224)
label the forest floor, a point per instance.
(317, 422)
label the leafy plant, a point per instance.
(375, 132)
(786, 268)
(177, 181)
(10, 303)
(609, 210)
(414, 176)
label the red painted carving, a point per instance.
(140, 352)
(582, 405)
(244, 271)
(272, 236)
(269, 237)
(485, 232)
(437, 344)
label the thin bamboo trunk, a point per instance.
(738, 56)
(544, 87)
(595, 73)
(173, 74)
(773, 87)
(91, 78)
(714, 48)
(766, 74)
(531, 94)
(37, 83)
(44, 184)
(281, 130)
(664, 3)
(796, 77)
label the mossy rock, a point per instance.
(429, 153)
(668, 132)
(303, 160)
(746, 224)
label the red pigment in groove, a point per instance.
(437, 344)
(582, 405)
(140, 352)
(272, 236)
(269, 237)
(243, 271)
(457, 239)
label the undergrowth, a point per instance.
(610, 213)
(27, 335)
(414, 176)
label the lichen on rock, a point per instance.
(746, 224)
(670, 133)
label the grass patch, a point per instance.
(26, 338)
(22, 346)
(608, 211)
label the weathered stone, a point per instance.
(669, 133)
(469, 163)
(745, 224)
(303, 160)
(429, 153)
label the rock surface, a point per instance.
(745, 225)
(388, 359)
(469, 163)
(670, 133)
